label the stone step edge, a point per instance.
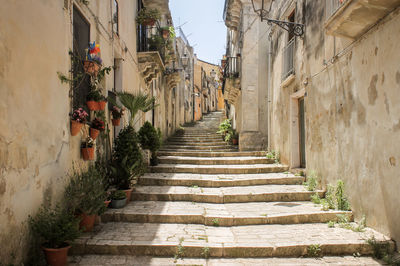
(295, 180)
(224, 250)
(232, 198)
(226, 221)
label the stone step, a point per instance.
(199, 147)
(196, 143)
(229, 214)
(205, 141)
(219, 169)
(260, 193)
(184, 179)
(213, 161)
(127, 260)
(211, 154)
(222, 180)
(193, 150)
(191, 240)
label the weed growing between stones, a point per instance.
(206, 252)
(215, 222)
(316, 199)
(383, 252)
(344, 222)
(335, 197)
(273, 155)
(331, 224)
(180, 250)
(312, 181)
(314, 251)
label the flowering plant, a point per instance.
(79, 115)
(88, 143)
(117, 112)
(98, 124)
(93, 53)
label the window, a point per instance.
(115, 17)
(288, 52)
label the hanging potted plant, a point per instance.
(102, 103)
(95, 128)
(87, 149)
(148, 17)
(235, 138)
(116, 115)
(93, 61)
(118, 199)
(167, 32)
(92, 100)
(78, 118)
(85, 196)
(55, 228)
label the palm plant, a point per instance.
(135, 103)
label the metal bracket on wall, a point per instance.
(296, 29)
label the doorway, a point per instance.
(302, 133)
(298, 130)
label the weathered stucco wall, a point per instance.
(352, 112)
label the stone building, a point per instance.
(37, 150)
(327, 100)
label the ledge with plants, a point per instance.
(148, 17)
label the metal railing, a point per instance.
(147, 41)
(232, 67)
(332, 6)
(288, 59)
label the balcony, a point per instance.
(288, 60)
(150, 54)
(232, 83)
(352, 18)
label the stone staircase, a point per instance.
(208, 204)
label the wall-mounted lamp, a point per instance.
(185, 60)
(295, 28)
(213, 74)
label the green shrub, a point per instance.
(118, 195)
(149, 137)
(312, 181)
(55, 227)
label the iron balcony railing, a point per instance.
(232, 67)
(149, 42)
(288, 59)
(332, 6)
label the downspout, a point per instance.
(269, 101)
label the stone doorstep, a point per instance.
(219, 169)
(172, 179)
(213, 161)
(211, 154)
(210, 197)
(107, 260)
(231, 242)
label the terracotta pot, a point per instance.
(94, 133)
(87, 222)
(165, 34)
(75, 127)
(128, 194)
(56, 256)
(149, 22)
(91, 67)
(101, 105)
(235, 141)
(115, 122)
(92, 105)
(88, 154)
(107, 202)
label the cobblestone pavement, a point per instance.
(208, 204)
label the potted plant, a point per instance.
(92, 99)
(235, 138)
(87, 149)
(156, 42)
(225, 129)
(85, 196)
(117, 113)
(149, 139)
(102, 102)
(95, 128)
(55, 228)
(148, 17)
(118, 199)
(78, 118)
(93, 61)
(167, 32)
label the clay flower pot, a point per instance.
(128, 194)
(92, 105)
(101, 105)
(115, 122)
(94, 133)
(235, 141)
(91, 67)
(56, 256)
(107, 202)
(165, 33)
(149, 22)
(75, 127)
(87, 222)
(88, 154)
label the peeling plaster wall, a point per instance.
(36, 148)
(352, 110)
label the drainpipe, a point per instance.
(269, 101)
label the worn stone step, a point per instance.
(213, 161)
(229, 214)
(200, 147)
(260, 193)
(203, 141)
(196, 143)
(219, 169)
(192, 153)
(201, 180)
(129, 260)
(191, 240)
(193, 150)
